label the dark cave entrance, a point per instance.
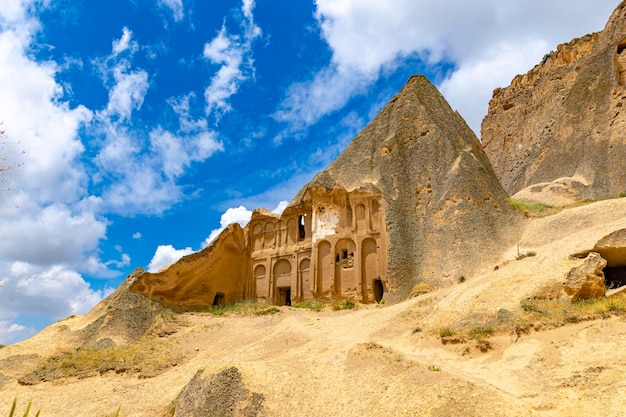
(379, 290)
(219, 300)
(614, 276)
(284, 296)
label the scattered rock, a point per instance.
(218, 395)
(586, 281)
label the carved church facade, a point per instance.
(333, 246)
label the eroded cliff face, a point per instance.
(559, 128)
(216, 275)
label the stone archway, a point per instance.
(345, 271)
(369, 268)
(324, 264)
(282, 282)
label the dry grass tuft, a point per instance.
(145, 358)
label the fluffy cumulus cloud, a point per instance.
(166, 255)
(54, 291)
(50, 224)
(487, 43)
(233, 54)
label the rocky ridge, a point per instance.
(555, 134)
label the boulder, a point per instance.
(586, 281)
(613, 248)
(561, 125)
(218, 395)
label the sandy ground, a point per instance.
(372, 361)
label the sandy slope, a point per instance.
(371, 362)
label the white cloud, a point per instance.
(239, 215)
(233, 53)
(55, 232)
(54, 291)
(137, 235)
(174, 6)
(166, 255)
(128, 92)
(124, 43)
(369, 36)
(139, 168)
(281, 207)
(12, 333)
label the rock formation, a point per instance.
(122, 317)
(219, 395)
(557, 132)
(412, 199)
(586, 281)
(216, 275)
(612, 248)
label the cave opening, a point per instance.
(219, 300)
(614, 276)
(379, 290)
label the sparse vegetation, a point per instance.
(243, 309)
(144, 358)
(446, 332)
(434, 368)
(559, 312)
(344, 305)
(314, 305)
(530, 209)
(420, 289)
(522, 255)
(267, 311)
(525, 255)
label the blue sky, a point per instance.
(134, 130)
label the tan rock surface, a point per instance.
(613, 248)
(373, 361)
(565, 119)
(215, 275)
(586, 281)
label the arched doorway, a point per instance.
(369, 268)
(304, 275)
(324, 264)
(282, 282)
(345, 272)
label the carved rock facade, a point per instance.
(413, 198)
(331, 246)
